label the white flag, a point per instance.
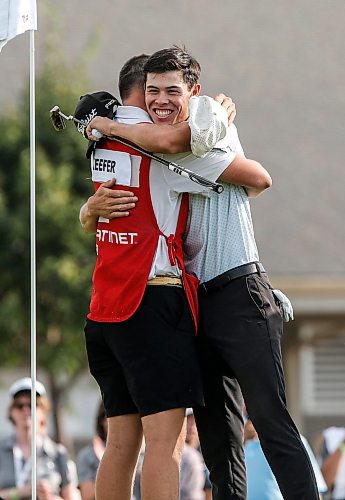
(16, 16)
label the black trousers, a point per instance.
(240, 352)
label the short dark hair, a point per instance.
(174, 58)
(132, 75)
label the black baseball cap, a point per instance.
(90, 105)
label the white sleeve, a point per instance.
(210, 166)
(231, 141)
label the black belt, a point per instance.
(237, 272)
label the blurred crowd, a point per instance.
(59, 477)
(56, 473)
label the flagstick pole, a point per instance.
(33, 265)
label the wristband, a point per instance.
(13, 494)
(341, 448)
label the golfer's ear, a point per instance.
(196, 89)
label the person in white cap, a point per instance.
(53, 464)
(332, 458)
(145, 361)
(240, 314)
(25, 385)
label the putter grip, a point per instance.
(97, 134)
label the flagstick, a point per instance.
(33, 265)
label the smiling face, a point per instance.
(167, 97)
(20, 412)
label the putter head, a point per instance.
(56, 118)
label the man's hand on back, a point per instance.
(107, 203)
(111, 203)
(228, 104)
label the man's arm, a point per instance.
(107, 203)
(247, 173)
(88, 220)
(169, 139)
(330, 467)
(158, 138)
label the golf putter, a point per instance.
(58, 119)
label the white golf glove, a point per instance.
(285, 303)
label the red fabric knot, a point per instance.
(171, 249)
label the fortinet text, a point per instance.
(117, 238)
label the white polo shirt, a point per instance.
(166, 187)
(220, 234)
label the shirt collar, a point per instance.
(49, 448)
(132, 112)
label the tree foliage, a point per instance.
(65, 256)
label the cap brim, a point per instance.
(24, 385)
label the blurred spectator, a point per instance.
(261, 482)
(54, 473)
(137, 476)
(193, 475)
(208, 485)
(332, 459)
(320, 481)
(89, 457)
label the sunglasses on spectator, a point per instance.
(20, 406)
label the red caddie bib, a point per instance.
(126, 246)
